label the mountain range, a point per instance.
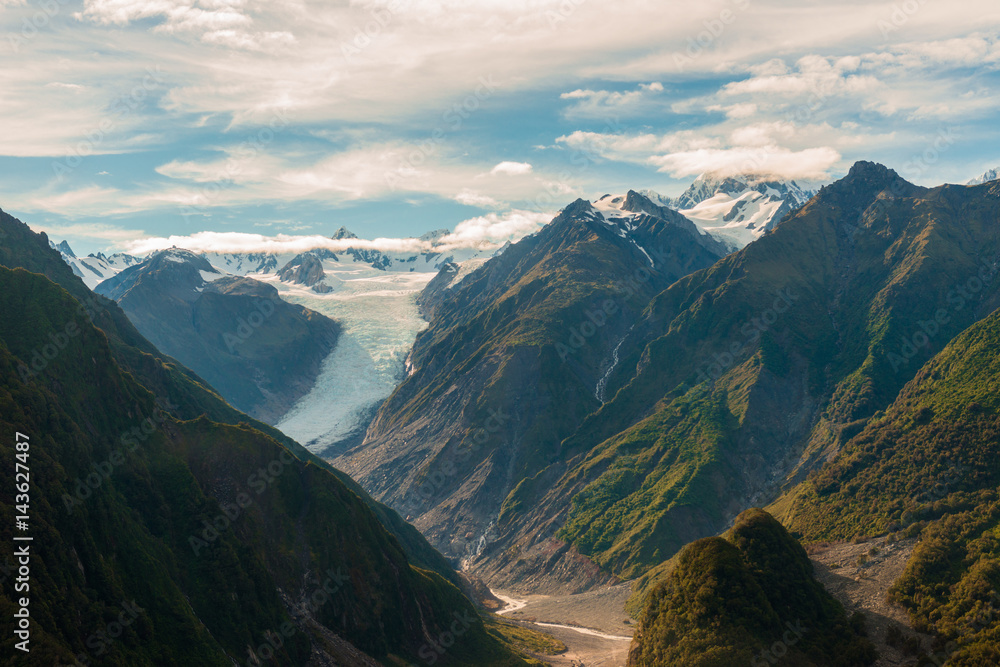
(202, 501)
(612, 398)
(516, 356)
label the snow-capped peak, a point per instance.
(991, 175)
(740, 209)
(94, 269)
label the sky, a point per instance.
(130, 119)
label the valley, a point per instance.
(553, 419)
(544, 333)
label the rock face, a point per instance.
(431, 297)
(306, 269)
(261, 353)
(739, 380)
(512, 362)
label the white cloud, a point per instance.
(471, 198)
(597, 103)
(772, 161)
(221, 22)
(92, 231)
(495, 228)
(484, 232)
(511, 169)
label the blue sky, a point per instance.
(130, 119)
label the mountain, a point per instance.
(515, 357)
(926, 466)
(162, 537)
(242, 264)
(186, 395)
(720, 389)
(306, 269)
(741, 209)
(741, 378)
(260, 352)
(94, 269)
(991, 175)
(747, 598)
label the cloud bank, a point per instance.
(481, 233)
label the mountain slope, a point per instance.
(927, 466)
(184, 395)
(747, 598)
(741, 378)
(211, 536)
(260, 352)
(514, 360)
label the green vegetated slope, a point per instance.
(759, 368)
(748, 598)
(211, 536)
(928, 466)
(518, 348)
(185, 394)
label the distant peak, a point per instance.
(435, 235)
(343, 233)
(871, 170)
(989, 176)
(64, 248)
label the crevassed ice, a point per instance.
(380, 321)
